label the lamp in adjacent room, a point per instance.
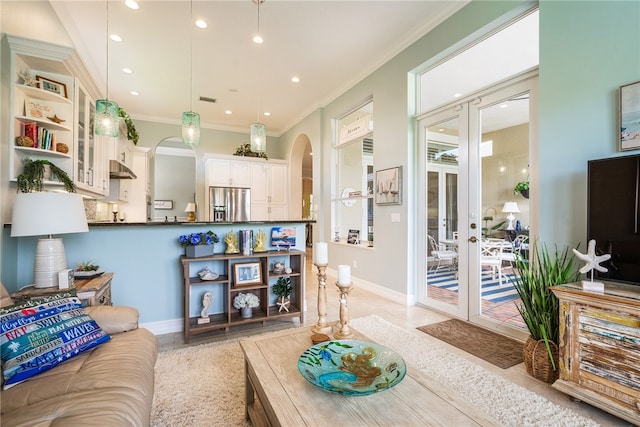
(107, 117)
(191, 210)
(510, 208)
(46, 214)
(191, 120)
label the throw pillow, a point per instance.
(40, 334)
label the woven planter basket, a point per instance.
(536, 360)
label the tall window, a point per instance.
(352, 219)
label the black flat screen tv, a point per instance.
(613, 215)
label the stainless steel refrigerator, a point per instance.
(229, 204)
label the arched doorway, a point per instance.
(301, 172)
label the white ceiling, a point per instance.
(330, 45)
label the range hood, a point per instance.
(118, 170)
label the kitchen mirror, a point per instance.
(174, 180)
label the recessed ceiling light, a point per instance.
(115, 38)
(233, 90)
(127, 70)
(457, 95)
(134, 93)
(504, 106)
(201, 24)
(295, 79)
(266, 113)
(132, 4)
(257, 39)
(228, 112)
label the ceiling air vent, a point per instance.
(207, 99)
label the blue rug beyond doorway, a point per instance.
(491, 289)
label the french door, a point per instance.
(472, 154)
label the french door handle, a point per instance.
(473, 239)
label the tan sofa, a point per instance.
(110, 385)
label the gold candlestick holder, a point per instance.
(344, 332)
(321, 327)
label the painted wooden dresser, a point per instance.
(600, 347)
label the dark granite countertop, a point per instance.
(163, 223)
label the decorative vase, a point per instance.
(246, 312)
(199, 251)
(525, 193)
(537, 362)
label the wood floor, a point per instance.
(363, 303)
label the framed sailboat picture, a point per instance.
(389, 186)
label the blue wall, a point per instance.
(145, 260)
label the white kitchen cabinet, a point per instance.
(91, 172)
(225, 172)
(135, 210)
(269, 190)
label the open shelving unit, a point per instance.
(222, 314)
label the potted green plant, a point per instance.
(32, 177)
(245, 150)
(522, 188)
(282, 289)
(538, 306)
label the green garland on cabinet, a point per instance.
(132, 133)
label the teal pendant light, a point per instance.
(107, 112)
(258, 138)
(191, 120)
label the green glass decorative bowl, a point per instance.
(351, 367)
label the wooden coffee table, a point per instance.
(278, 395)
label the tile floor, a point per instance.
(363, 303)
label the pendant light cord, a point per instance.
(191, 58)
(107, 48)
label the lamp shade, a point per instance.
(191, 128)
(258, 138)
(510, 207)
(107, 118)
(38, 214)
(191, 207)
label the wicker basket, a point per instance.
(536, 360)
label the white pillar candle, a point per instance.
(321, 254)
(114, 207)
(344, 274)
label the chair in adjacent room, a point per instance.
(444, 258)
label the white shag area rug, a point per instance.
(204, 385)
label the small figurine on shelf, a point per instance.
(260, 240)
(207, 298)
(592, 262)
(231, 239)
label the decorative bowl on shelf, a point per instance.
(351, 367)
(207, 274)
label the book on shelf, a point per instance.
(42, 138)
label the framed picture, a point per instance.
(247, 273)
(353, 237)
(52, 86)
(283, 236)
(389, 186)
(163, 204)
(37, 108)
(630, 116)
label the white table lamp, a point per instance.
(191, 210)
(37, 214)
(510, 208)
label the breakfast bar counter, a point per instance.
(145, 260)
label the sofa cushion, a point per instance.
(110, 385)
(40, 334)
